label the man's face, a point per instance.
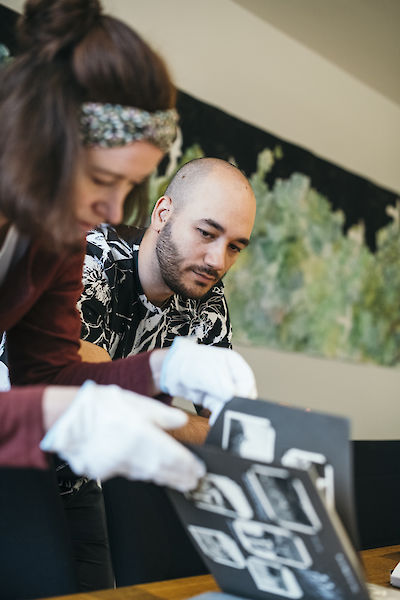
(202, 240)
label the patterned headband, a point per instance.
(111, 125)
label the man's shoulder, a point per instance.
(130, 235)
(108, 244)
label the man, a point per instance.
(142, 291)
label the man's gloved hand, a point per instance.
(108, 431)
(206, 375)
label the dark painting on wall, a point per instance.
(8, 21)
(221, 135)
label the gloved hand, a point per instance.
(206, 375)
(108, 431)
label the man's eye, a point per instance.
(235, 248)
(204, 233)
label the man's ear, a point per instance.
(161, 213)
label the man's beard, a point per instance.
(170, 262)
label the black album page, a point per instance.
(265, 531)
(293, 437)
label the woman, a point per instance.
(86, 109)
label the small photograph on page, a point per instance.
(222, 495)
(218, 546)
(271, 542)
(283, 498)
(304, 459)
(274, 578)
(248, 436)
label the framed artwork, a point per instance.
(322, 273)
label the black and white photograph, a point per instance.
(304, 459)
(304, 439)
(283, 498)
(248, 436)
(219, 546)
(273, 543)
(222, 495)
(274, 578)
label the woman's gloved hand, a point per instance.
(206, 375)
(108, 431)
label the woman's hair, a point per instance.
(69, 53)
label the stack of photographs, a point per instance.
(263, 518)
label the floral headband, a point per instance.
(111, 125)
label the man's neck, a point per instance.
(156, 291)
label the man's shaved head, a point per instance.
(195, 173)
(199, 227)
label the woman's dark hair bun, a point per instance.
(49, 27)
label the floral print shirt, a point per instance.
(116, 314)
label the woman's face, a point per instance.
(105, 176)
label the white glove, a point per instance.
(108, 431)
(206, 375)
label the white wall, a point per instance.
(368, 395)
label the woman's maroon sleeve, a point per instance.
(21, 428)
(43, 345)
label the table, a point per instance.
(377, 563)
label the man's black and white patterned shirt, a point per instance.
(116, 314)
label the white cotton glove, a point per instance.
(108, 431)
(206, 375)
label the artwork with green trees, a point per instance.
(304, 284)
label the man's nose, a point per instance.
(216, 256)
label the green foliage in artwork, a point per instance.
(376, 326)
(305, 285)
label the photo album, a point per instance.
(273, 517)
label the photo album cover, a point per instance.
(263, 518)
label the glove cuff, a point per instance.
(168, 365)
(67, 426)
